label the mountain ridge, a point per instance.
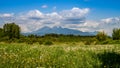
(60, 30)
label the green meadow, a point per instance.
(69, 55)
(58, 50)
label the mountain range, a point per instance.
(60, 30)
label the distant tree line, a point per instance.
(11, 33)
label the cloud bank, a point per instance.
(74, 18)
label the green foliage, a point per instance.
(40, 42)
(109, 59)
(48, 43)
(11, 33)
(114, 42)
(116, 34)
(29, 41)
(1, 33)
(24, 56)
(92, 41)
(101, 36)
(4, 39)
(105, 42)
(11, 30)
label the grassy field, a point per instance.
(22, 55)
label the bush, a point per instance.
(92, 41)
(114, 42)
(110, 41)
(29, 41)
(116, 34)
(101, 36)
(48, 43)
(40, 42)
(87, 43)
(105, 42)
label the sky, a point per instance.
(83, 15)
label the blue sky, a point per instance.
(98, 6)
(98, 10)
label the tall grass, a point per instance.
(76, 56)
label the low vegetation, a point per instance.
(59, 56)
(57, 50)
(10, 33)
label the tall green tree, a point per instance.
(116, 34)
(11, 30)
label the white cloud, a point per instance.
(75, 12)
(90, 23)
(44, 6)
(108, 20)
(35, 19)
(113, 20)
(34, 13)
(106, 25)
(87, 26)
(109, 24)
(7, 15)
(6, 18)
(74, 18)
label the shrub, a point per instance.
(48, 43)
(114, 42)
(87, 43)
(116, 34)
(101, 36)
(105, 42)
(91, 41)
(29, 41)
(40, 42)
